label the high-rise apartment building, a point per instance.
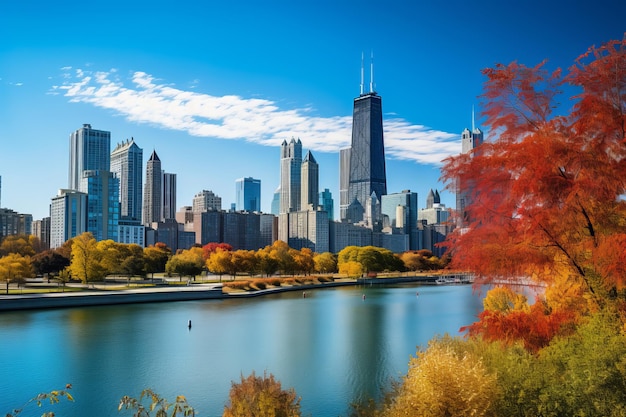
(206, 200)
(90, 150)
(290, 177)
(127, 165)
(367, 175)
(248, 194)
(169, 196)
(41, 229)
(309, 181)
(68, 216)
(152, 200)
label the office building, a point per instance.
(168, 210)
(435, 212)
(127, 166)
(68, 216)
(103, 204)
(309, 182)
(248, 194)
(275, 207)
(290, 176)
(90, 150)
(344, 182)
(305, 229)
(327, 204)
(152, 203)
(366, 169)
(206, 200)
(399, 211)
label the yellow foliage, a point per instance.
(351, 269)
(504, 299)
(440, 382)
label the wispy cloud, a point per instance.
(257, 120)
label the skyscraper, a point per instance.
(90, 149)
(367, 174)
(344, 182)
(103, 203)
(168, 210)
(290, 167)
(309, 180)
(470, 140)
(248, 194)
(152, 204)
(126, 164)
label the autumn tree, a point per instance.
(14, 266)
(155, 258)
(441, 382)
(49, 262)
(304, 260)
(187, 263)
(25, 245)
(266, 263)
(261, 396)
(211, 247)
(150, 401)
(325, 262)
(219, 262)
(85, 263)
(544, 196)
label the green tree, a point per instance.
(261, 396)
(15, 266)
(85, 262)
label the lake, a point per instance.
(334, 347)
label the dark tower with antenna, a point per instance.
(367, 179)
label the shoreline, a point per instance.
(159, 294)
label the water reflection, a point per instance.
(333, 347)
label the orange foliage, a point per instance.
(543, 193)
(534, 328)
(211, 247)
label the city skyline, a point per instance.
(215, 90)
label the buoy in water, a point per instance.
(189, 324)
(303, 294)
(364, 296)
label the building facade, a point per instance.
(103, 203)
(168, 210)
(248, 194)
(127, 166)
(290, 175)
(152, 203)
(327, 203)
(68, 216)
(309, 182)
(470, 140)
(206, 200)
(367, 171)
(90, 150)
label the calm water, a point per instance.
(333, 347)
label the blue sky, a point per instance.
(214, 87)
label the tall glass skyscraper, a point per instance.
(127, 165)
(309, 180)
(290, 167)
(470, 140)
(90, 150)
(247, 194)
(366, 169)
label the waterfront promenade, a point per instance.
(177, 293)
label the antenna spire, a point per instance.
(473, 125)
(372, 74)
(362, 73)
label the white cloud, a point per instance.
(233, 117)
